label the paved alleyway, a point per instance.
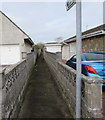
(42, 99)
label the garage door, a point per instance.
(54, 49)
(72, 49)
(9, 54)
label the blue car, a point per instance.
(93, 64)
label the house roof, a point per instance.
(28, 38)
(99, 30)
(52, 43)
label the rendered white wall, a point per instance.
(9, 54)
(28, 47)
(72, 49)
(53, 49)
(68, 50)
(11, 34)
(65, 52)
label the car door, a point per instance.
(73, 61)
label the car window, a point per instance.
(73, 59)
(94, 56)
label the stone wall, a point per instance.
(65, 77)
(12, 85)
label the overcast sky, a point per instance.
(46, 21)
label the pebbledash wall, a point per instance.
(12, 85)
(65, 78)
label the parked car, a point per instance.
(93, 64)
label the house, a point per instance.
(15, 44)
(93, 40)
(53, 47)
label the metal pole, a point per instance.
(78, 52)
(104, 12)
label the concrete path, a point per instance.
(42, 99)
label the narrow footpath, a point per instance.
(42, 99)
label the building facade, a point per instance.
(15, 44)
(53, 47)
(93, 40)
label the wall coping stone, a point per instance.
(91, 80)
(10, 68)
(2, 70)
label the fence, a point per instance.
(65, 77)
(12, 85)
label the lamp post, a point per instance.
(78, 66)
(69, 5)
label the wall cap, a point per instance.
(2, 70)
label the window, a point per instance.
(74, 58)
